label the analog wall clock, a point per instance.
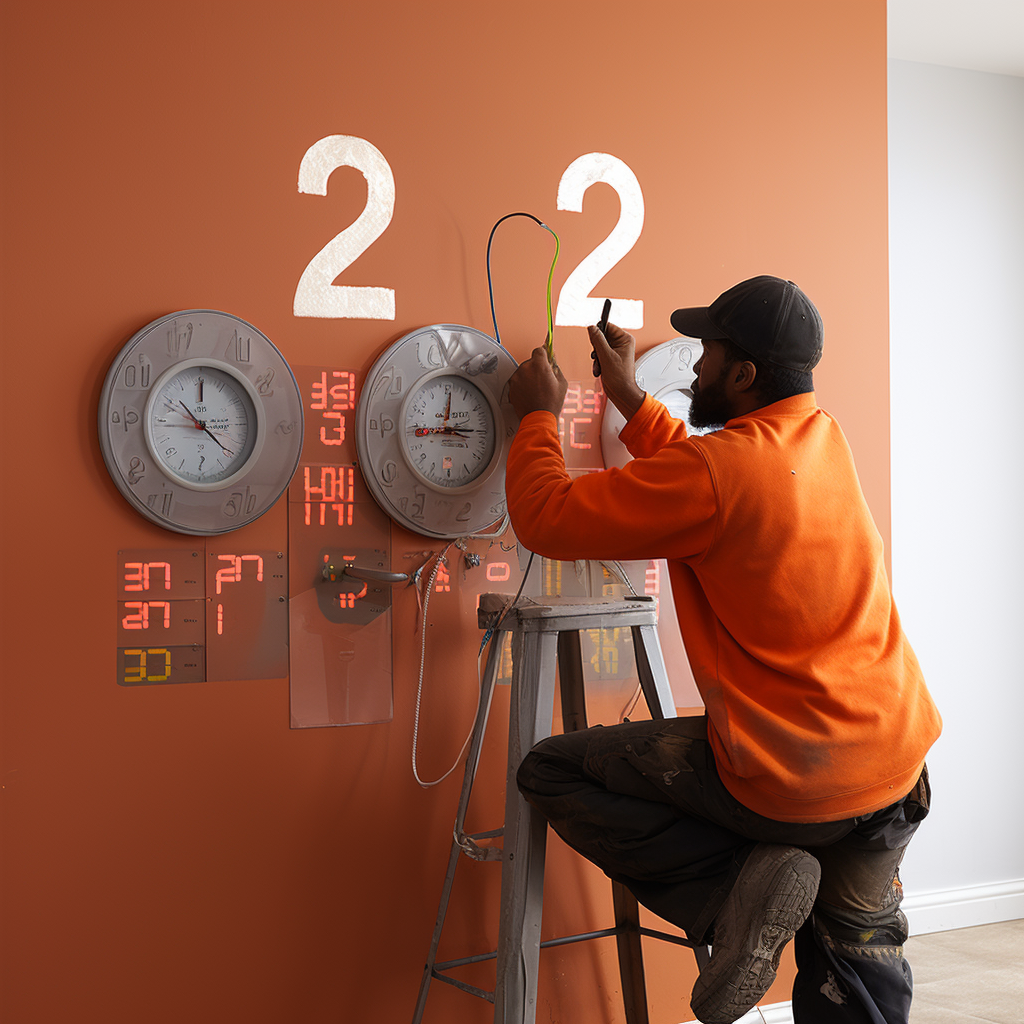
(433, 428)
(665, 372)
(200, 422)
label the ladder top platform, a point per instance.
(561, 614)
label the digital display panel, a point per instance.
(192, 615)
(340, 665)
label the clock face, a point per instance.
(433, 428)
(200, 422)
(449, 438)
(203, 424)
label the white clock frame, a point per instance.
(476, 509)
(154, 354)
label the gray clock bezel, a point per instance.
(175, 341)
(411, 501)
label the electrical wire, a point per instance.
(425, 602)
(549, 342)
(500, 617)
(423, 658)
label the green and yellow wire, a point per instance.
(549, 343)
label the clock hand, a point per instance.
(201, 425)
(447, 408)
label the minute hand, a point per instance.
(201, 425)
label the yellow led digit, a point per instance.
(167, 664)
(135, 673)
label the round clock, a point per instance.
(433, 429)
(665, 372)
(200, 422)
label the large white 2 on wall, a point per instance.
(576, 306)
(317, 295)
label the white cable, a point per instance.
(419, 687)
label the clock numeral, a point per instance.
(179, 340)
(264, 383)
(387, 424)
(239, 347)
(239, 503)
(434, 358)
(418, 505)
(136, 470)
(316, 294)
(576, 306)
(389, 383)
(137, 376)
(162, 502)
(465, 513)
(389, 473)
(126, 417)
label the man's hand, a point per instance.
(537, 386)
(614, 352)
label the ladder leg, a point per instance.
(631, 957)
(627, 913)
(522, 865)
(658, 694)
(650, 666)
(570, 681)
(469, 774)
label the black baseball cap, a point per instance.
(766, 316)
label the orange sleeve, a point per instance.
(658, 507)
(651, 428)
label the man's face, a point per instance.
(711, 405)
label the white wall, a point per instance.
(956, 201)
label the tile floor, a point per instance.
(970, 975)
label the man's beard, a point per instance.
(710, 406)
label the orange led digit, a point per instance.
(133, 576)
(230, 574)
(498, 572)
(136, 620)
(572, 432)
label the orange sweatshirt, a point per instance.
(817, 709)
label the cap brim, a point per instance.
(695, 323)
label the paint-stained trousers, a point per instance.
(643, 801)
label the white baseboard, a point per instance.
(939, 911)
(948, 909)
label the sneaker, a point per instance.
(770, 900)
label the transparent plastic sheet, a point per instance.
(340, 627)
(340, 670)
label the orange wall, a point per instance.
(177, 852)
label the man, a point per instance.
(787, 808)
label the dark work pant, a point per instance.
(643, 801)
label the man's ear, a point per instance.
(743, 374)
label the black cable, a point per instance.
(490, 281)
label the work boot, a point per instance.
(770, 900)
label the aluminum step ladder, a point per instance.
(545, 633)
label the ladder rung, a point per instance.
(471, 989)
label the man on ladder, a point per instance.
(787, 808)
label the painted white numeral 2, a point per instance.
(316, 294)
(576, 306)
